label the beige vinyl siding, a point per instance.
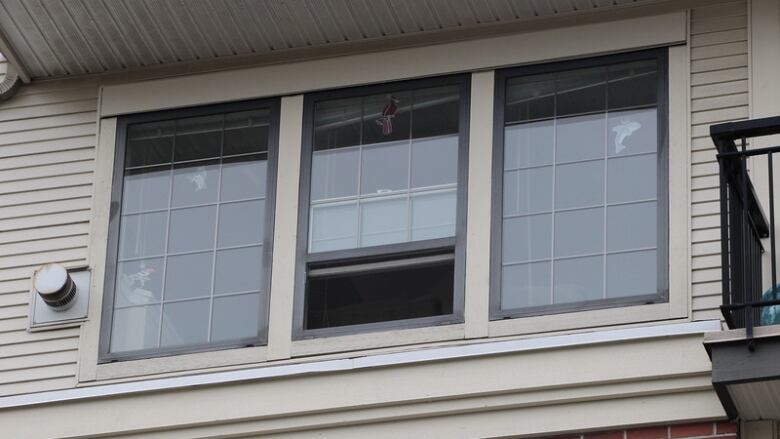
(47, 148)
(719, 93)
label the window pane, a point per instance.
(581, 91)
(632, 226)
(185, 323)
(633, 131)
(410, 292)
(142, 235)
(337, 123)
(193, 185)
(385, 168)
(243, 177)
(529, 144)
(436, 112)
(633, 84)
(386, 117)
(241, 223)
(246, 132)
(632, 178)
(580, 138)
(526, 285)
(236, 317)
(192, 229)
(529, 98)
(198, 138)
(135, 328)
(146, 189)
(528, 191)
(334, 173)
(239, 270)
(631, 274)
(527, 238)
(149, 144)
(579, 279)
(579, 232)
(139, 282)
(434, 161)
(188, 276)
(433, 215)
(383, 221)
(333, 227)
(579, 184)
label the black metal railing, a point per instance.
(744, 223)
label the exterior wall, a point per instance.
(719, 93)
(703, 430)
(47, 147)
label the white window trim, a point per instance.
(480, 56)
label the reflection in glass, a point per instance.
(185, 323)
(139, 282)
(236, 317)
(146, 189)
(142, 235)
(529, 144)
(384, 168)
(192, 229)
(333, 227)
(383, 221)
(188, 276)
(578, 279)
(241, 223)
(525, 285)
(527, 238)
(334, 173)
(135, 328)
(239, 270)
(433, 215)
(193, 185)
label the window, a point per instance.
(189, 241)
(580, 167)
(383, 207)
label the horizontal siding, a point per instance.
(47, 153)
(719, 93)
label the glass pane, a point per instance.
(334, 173)
(579, 279)
(243, 177)
(198, 138)
(383, 221)
(529, 144)
(436, 112)
(337, 123)
(188, 276)
(632, 226)
(139, 282)
(185, 323)
(333, 227)
(146, 189)
(530, 97)
(135, 328)
(149, 144)
(579, 232)
(142, 235)
(433, 215)
(246, 132)
(633, 84)
(579, 184)
(632, 274)
(192, 229)
(434, 161)
(241, 223)
(239, 270)
(525, 285)
(236, 317)
(386, 117)
(193, 185)
(526, 238)
(384, 168)
(633, 131)
(528, 191)
(580, 138)
(632, 178)
(381, 296)
(581, 91)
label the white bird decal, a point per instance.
(623, 131)
(137, 294)
(199, 179)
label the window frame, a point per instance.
(386, 251)
(502, 76)
(117, 183)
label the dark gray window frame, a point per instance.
(389, 251)
(501, 78)
(104, 354)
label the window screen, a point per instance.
(190, 258)
(582, 213)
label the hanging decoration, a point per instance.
(388, 113)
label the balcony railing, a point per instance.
(747, 299)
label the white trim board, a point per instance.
(364, 362)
